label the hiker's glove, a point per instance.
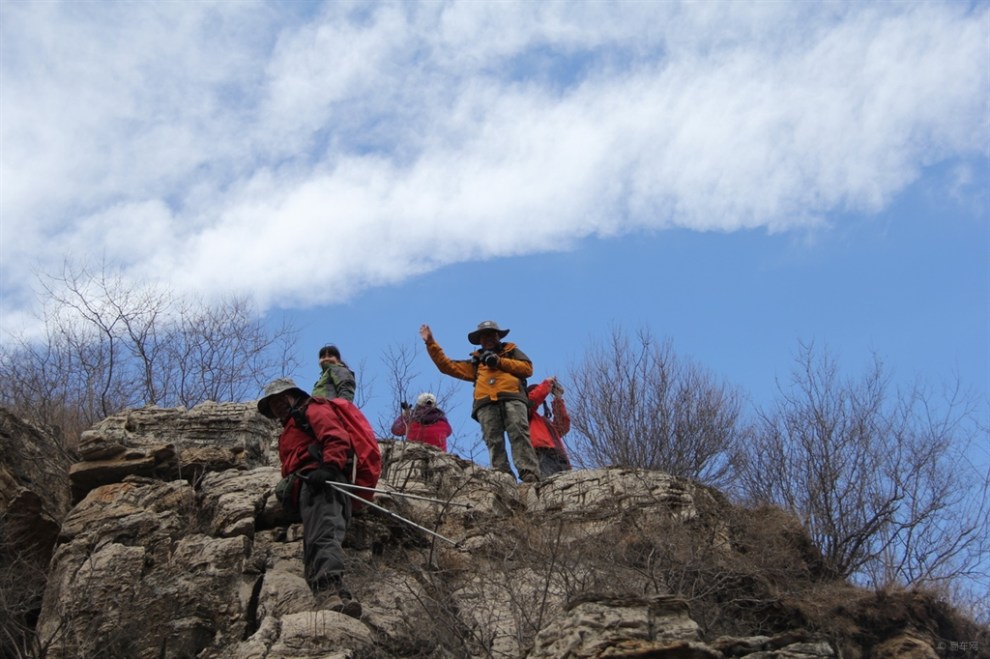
(318, 478)
(557, 389)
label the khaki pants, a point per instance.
(512, 417)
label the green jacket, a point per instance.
(336, 381)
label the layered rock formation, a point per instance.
(177, 548)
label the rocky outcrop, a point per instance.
(171, 443)
(595, 563)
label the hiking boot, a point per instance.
(528, 477)
(349, 607)
(338, 603)
(333, 595)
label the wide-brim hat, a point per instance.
(486, 326)
(274, 388)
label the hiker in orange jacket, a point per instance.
(498, 371)
(547, 430)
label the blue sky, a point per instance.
(735, 176)
(896, 284)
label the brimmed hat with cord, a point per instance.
(486, 326)
(274, 388)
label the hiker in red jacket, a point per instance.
(425, 422)
(546, 431)
(315, 447)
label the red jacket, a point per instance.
(425, 424)
(293, 443)
(544, 433)
(342, 432)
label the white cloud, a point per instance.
(236, 147)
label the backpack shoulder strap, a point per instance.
(302, 421)
(299, 416)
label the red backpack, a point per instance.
(365, 464)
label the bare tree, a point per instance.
(880, 478)
(402, 382)
(108, 346)
(637, 404)
(223, 351)
(398, 361)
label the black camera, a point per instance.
(404, 405)
(489, 359)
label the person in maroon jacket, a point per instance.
(547, 430)
(425, 423)
(315, 447)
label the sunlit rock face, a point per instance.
(176, 547)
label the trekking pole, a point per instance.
(342, 490)
(402, 494)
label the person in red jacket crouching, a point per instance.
(546, 431)
(425, 423)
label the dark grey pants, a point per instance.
(324, 527)
(552, 461)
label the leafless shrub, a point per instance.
(880, 478)
(637, 404)
(22, 585)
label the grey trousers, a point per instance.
(551, 461)
(512, 417)
(324, 528)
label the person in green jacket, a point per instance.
(336, 378)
